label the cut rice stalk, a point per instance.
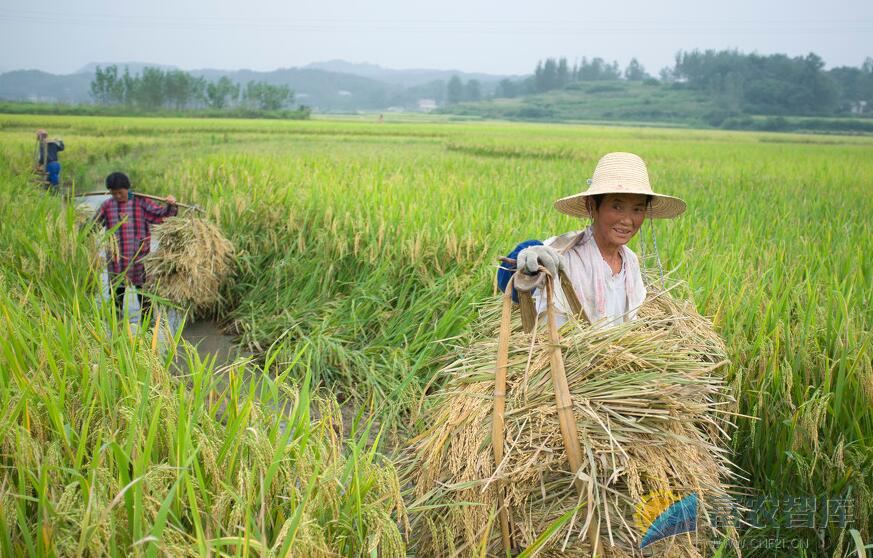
(651, 410)
(191, 263)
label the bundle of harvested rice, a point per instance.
(652, 415)
(83, 213)
(191, 263)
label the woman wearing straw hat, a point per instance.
(604, 272)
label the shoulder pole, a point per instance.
(497, 423)
(566, 417)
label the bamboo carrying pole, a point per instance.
(37, 154)
(566, 418)
(148, 196)
(497, 423)
(564, 402)
(570, 295)
(38, 167)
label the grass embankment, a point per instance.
(105, 449)
(647, 103)
(368, 243)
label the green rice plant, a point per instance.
(370, 245)
(108, 447)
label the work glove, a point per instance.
(531, 258)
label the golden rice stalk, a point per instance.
(653, 418)
(191, 263)
(83, 213)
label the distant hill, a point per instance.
(328, 91)
(134, 67)
(334, 86)
(405, 78)
(38, 86)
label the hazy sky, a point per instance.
(496, 36)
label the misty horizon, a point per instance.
(88, 67)
(506, 38)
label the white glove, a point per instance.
(531, 258)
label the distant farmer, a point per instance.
(47, 157)
(134, 215)
(603, 271)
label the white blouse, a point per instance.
(608, 299)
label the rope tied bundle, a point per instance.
(647, 407)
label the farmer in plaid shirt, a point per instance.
(135, 216)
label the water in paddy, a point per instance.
(211, 342)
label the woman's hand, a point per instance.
(171, 200)
(531, 258)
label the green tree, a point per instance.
(265, 96)
(823, 89)
(855, 87)
(198, 91)
(666, 75)
(106, 87)
(472, 90)
(127, 86)
(562, 73)
(598, 70)
(178, 89)
(635, 71)
(550, 75)
(150, 88)
(733, 92)
(506, 89)
(774, 84)
(98, 87)
(454, 90)
(546, 75)
(221, 93)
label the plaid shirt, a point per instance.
(135, 216)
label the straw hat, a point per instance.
(621, 173)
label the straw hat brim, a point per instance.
(663, 206)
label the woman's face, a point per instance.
(619, 217)
(119, 194)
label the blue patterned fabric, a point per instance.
(505, 272)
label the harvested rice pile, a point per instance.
(191, 263)
(652, 413)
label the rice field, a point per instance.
(362, 254)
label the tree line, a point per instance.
(156, 89)
(457, 91)
(549, 74)
(740, 83)
(776, 83)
